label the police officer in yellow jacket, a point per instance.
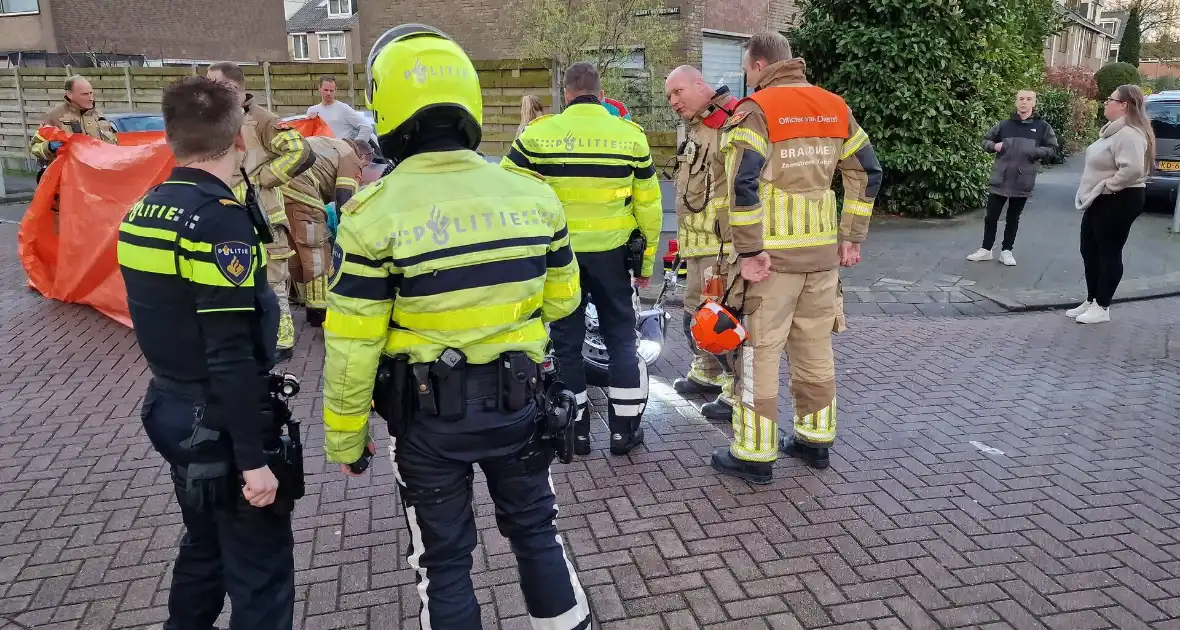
(781, 149)
(602, 170)
(275, 154)
(446, 270)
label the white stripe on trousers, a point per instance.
(415, 541)
(581, 610)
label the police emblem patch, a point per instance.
(336, 263)
(235, 260)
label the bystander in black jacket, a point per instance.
(1024, 142)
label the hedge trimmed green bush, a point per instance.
(1111, 76)
(927, 79)
(1072, 117)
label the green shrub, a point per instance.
(926, 80)
(1167, 82)
(1072, 117)
(1111, 76)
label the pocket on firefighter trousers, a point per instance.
(841, 323)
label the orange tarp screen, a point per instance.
(94, 184)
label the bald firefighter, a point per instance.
(78, 114)
(782, 148)
(704, 110)
(275, 154)
(333, 178)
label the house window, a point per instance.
(299, 47)
(332, 46)
(18, 6)
(339, 8)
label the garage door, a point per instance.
(721, 62)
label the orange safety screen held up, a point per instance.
(804, 111)
(89, 187)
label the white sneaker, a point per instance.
(1079, 309)
(1007, 259)
(1094, 315)
(980, 255)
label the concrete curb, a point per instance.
(1055, 302)
(16, 197)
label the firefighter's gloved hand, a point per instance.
(54, 146)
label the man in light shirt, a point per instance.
(345, 122)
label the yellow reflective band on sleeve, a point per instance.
(146, 259)
(278, 217)
(562, 290)
(644, 195)
(746, 217)
(347, 424)
(346, 182)
(298, 197)
(287, 160)
(853, 144)
(194, 246)
(355, 326)
(592, 195)
(465, 318)
(208, 274)
(605, 224)
(756, 142)
(859, 208)
(149, 232)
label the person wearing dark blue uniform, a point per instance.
(194, 264)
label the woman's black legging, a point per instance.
(1106, 225)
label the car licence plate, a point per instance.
(1170, 166)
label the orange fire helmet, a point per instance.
(716, 330)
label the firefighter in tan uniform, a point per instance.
(704, 110)
(782, 148)
(275, 154)
(78, 114)
(333, 177)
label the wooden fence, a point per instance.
(26, 94)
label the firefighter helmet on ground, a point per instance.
(416, 70)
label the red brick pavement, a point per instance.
(1074, 527)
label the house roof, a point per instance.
(313, 16)
(1120, 24)
(1077, 18)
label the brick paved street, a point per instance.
(1012, 471)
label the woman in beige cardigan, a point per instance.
(1112, 193)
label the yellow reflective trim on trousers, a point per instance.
(818, 427)
(747, 217)
(644, 195)
(146, 259)
(604, 224)
(756, 142)
(562, 290)
(347, 424)
(759, 437)
(295, 195)
(401, 340)
(149, 232)
(859, 208)
(592, 195)
(461, 319)
(853, 144)
(355, 326)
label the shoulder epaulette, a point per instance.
(356, 205)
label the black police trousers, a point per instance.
(241, 550)
(607, 280)
(433, 464)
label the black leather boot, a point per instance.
(624, 436)
(760, 473)
(815, 456)
(688, 386)
(283, 354)
(316, 317)
(717, 411)
(582, 433)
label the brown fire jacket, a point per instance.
(70, 117)
(696, 181)
(781, 150)
(334, 177)
(275, 154)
